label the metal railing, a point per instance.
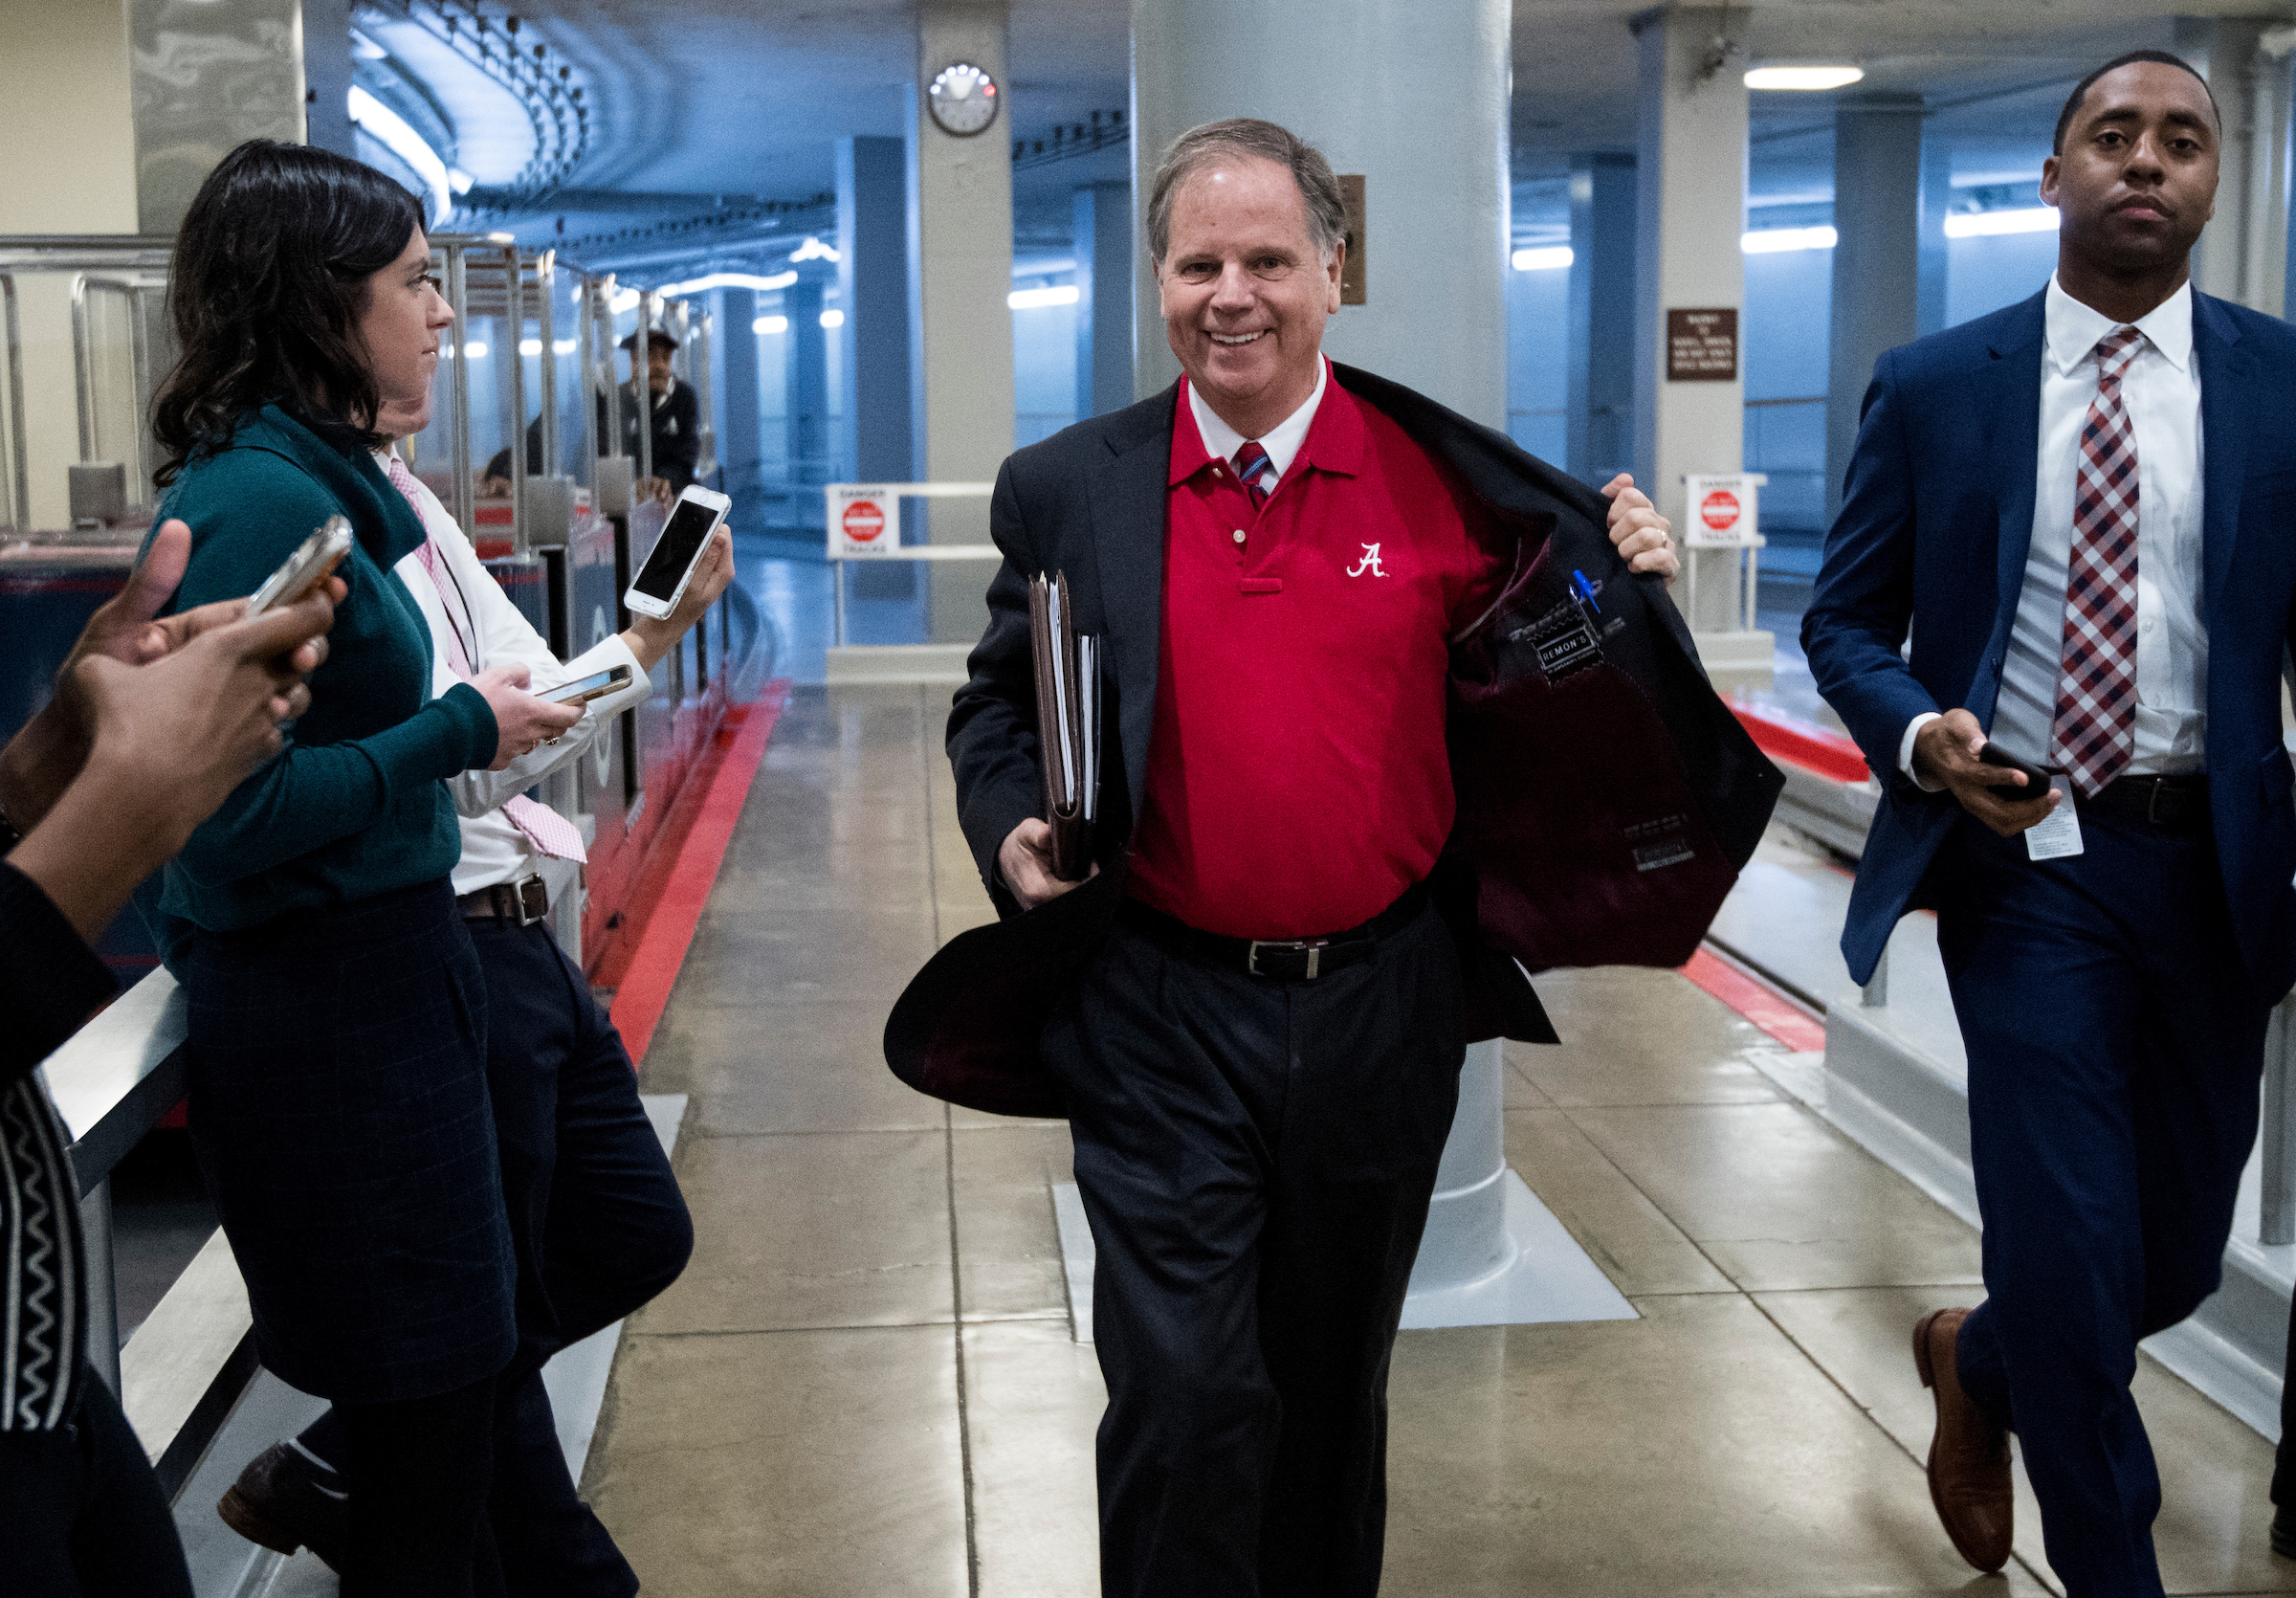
(2277, 1136)
(841, 552)
(179, 1376)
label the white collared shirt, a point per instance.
(2161, 390)
(493, 849)
(1281, 442)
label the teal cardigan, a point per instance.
(356, 804)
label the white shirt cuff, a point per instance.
(1905, 751)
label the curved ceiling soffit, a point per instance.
(526, 110)
(636, 106)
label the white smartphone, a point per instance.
(661, 582)
(300, 572)
(583, 689)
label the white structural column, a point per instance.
(1877, 257)
(1690, 188)
(1102, 215)
(1414, 99)
(2243, 255)
(963, 268)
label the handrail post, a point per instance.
(641, 384)
(103, 1331)
(2278, 1220)
(546, 291)
(1875, 994)
(514, 291)
(458, 301)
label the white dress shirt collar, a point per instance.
(1281, 442)
(2073, 330)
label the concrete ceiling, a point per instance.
(698, 99)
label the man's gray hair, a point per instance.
(1318, 189)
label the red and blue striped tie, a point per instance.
(1252, 465)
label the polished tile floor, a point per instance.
(866, 1382)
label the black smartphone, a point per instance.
(2036, 780)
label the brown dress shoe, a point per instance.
(280, 1502)
(1969, 1457)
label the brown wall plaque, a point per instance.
(1352, 290)
(1701, 347)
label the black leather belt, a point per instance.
(522, 903)
(1278, 959)
(2171, 803)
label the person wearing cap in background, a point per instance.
(675, 411)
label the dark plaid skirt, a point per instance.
(339, 1107)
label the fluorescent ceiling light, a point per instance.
(1981, 224)
(530, 346)
(399, 136)
(566, 346)
(1036, 299)
(625, 300)
(1803, 77)
(474, 348)
(1546, 259)
(832, 319)
(459, 180)
(1772, 241)
(813, 250)
(727, 281)
(765, 325)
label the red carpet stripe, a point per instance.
(1815, 748)
(1765, 1009)
(706, 813)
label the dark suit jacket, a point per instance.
(676, 430)
(1935, 526)
(1606, 798)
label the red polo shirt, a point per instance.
(1297, 781)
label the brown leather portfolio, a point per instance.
(1068, 724)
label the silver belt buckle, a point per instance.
(533, 898)
(1251, 956)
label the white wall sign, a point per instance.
(1722, 510)
(865, 520)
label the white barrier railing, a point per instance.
(865, 526)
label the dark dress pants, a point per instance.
(1256, 1159)
(598, 1228)
(80, 1513)
(2116, 1050)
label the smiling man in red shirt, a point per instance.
(1259, 1045)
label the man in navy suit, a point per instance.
(2082, 508)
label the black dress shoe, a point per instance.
(2283, 1531)
(280, 1502)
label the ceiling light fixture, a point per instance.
(1544, 258)
(1777, 241)
(1803, 77)
(727, 281)
(398, 136)
(1983, 224)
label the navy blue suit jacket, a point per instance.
(1935, 524)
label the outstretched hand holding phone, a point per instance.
(164, 739)
(42, 759)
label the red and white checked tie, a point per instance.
(2094, 736)
(1252, 465)
(550, 832)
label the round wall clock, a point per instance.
(964, 99)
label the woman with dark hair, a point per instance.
(336, 1013)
